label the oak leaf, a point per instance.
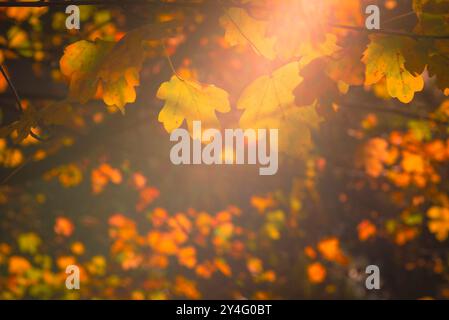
(189, 100)
(110, 69)
(383, 58)
(431, 53)
(242, 29)
(268, 103)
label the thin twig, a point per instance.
(398, 17)
(13, 89)
(170, 62)
(398, 112)
(17, 99)
(391, 32)
(252, 44)
(14, 172)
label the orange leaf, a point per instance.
(187, 257)
(18, 265)
(63, 226)
(330, 249)
(316, 272)
(254, 266)
(366, 230)
(147, 195)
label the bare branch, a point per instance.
(13, 89)
(392, 32)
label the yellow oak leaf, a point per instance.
(268, 103)
(80, 63)
(190, 100)
(109, 69)
(242, 29)
(384, 59)
(268, 96)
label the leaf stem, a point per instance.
(170, 62)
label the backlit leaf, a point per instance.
(383, 58)
(109, 68)
(268, 103)
(191, 101)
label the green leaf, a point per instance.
(29, 242)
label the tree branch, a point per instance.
(398, 112)
(13, 89)
(391, 32)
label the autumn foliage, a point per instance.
(363, 120)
